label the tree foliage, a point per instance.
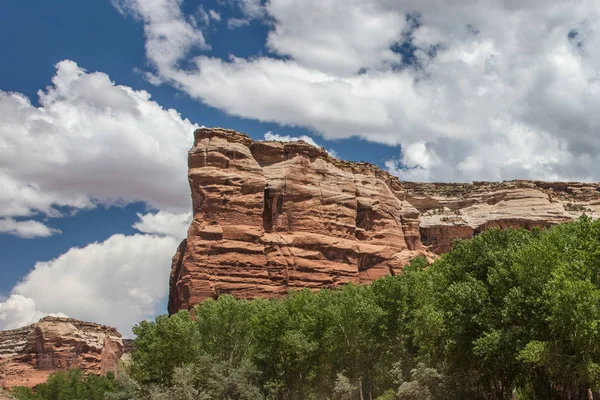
(510, 314)
(71, 385)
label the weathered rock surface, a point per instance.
(30, 354)
(272, 216)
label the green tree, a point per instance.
(462, 328)
(71, 385)
(559, 286)
(425, 384)
(209, 379)
(163, 345)
(351, 337)
(508, 313)
(289, 347)
(400, 298)
(224, 328)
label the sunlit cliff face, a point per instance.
(272, 216)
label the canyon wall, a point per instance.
(272, 216)
(30, 354)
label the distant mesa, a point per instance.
(30, 354)
(272, 216)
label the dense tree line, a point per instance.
(72, 385)
(506, 315)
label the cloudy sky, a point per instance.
(99, 99)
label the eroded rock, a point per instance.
(272, 216)
(30, 354)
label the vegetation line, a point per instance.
(506, 315)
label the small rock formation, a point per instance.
(272, 216)
(30, 354)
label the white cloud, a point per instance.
(118, 282)
(90, 141)
(214, 15)
(288, 138)
(244, 11)
(26, 229)
(205, 17)
(164, 223)
(18, 311)
(495, 90)
(337, 37)
(250, 9)
(170, 34)
(233, 23)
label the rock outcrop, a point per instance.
(30, 354)
(272, 216)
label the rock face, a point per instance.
(272, 216)
(29, 355)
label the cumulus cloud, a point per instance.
(170, 33)
(118, 282)
(164, 224)
(26, 229)
(88, 142)
(337, 37)
(288, 138)
(475, 90)
(18, 311)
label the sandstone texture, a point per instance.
(30, 354)
(272, 216)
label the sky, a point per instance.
(99, 101)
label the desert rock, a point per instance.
(30, 354)
(272, 216)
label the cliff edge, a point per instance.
(272, 216)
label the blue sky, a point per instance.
(99, 38)
(93, 169)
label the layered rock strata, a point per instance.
(30, 354)
(272, 216)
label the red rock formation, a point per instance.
(272, 216)
(29, 355)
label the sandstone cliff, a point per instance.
(272, 216)
(30, 354)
